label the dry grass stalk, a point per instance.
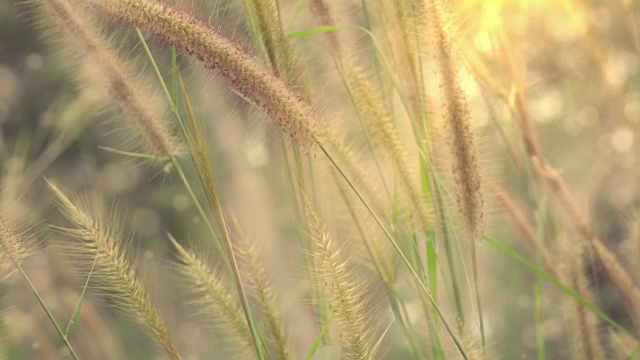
(344, 296)
(466, 170)
(219, 305)
(359, 176)
(103, 66)
(378, 251)
(622, 281)
(245, 73)
(324, 17)
(584, 323)
(261, 289)
(527, 130)
(522, 224)
(102, 240)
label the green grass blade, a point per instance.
(128, 153)
(511, 253)
(419, 281)
(76, 312)
(539, 308)
(174, 75)
(376, 346)
(323, 332)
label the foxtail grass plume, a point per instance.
(15, 247)
(261, 290)
(584, 323)
(466, 170)
(102, 66)
(379, 121)
(220, 306)
(245, 73)
(101, 239)
(344, 297)
(622, 344)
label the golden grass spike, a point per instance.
(15, 247)
(379, 120)
(101, 239)
(474, 350)
(262, 291)
(466, 170)
(622, 344)
(584, 323)
(245, 73)
(211, 289)
(102, 66)
(344, 297)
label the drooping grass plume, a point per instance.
(584, 323)
(245, 73)
(101, 239)
(101, 66)
(212, 293)
(260, 289)
(344, 297)
(457, 121)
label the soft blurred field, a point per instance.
(577, 59)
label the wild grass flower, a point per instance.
(210, 288)
(344, 297)
(100, 66)
(584, 323)
(457, 121)
(101, 239)
(246, 74)
(260, 289)
(15, 246)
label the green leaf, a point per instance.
(505, 249)
(76, 312)
(323, 332)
